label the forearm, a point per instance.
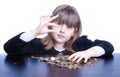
(96, 51)
(27, 36)
(20, 44)
(14, 44)
(107, 46)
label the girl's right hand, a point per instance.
(45, 23)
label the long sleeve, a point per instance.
(17, 46)
(27, 36)
(84, 43)
(107, 46)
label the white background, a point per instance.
(100, 18)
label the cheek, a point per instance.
(70, 34)
(53, 34)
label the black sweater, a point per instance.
(16, 46)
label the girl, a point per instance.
(63, 28)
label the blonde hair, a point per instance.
(67, 15)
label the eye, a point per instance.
(69, 27)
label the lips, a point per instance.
(60, 36)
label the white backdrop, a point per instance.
(100, 18)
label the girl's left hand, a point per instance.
(78, 56)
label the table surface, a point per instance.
(27, 67)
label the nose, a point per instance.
(62, 29)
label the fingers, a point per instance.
(72, 56)
(82, 58)
(52, 27)
(46, 26)
(78, 57)
(54, 17)
(53, 24)
(49, 18)
(46, 20)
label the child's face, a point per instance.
(63, 34)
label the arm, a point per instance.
(26, 43)
(17, 46)
(87, 49)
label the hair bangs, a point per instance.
(69, 19)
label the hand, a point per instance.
(78, 56)
(43, 28)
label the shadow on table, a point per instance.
(15, 60)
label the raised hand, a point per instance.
(46, 26)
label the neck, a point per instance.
(59, 46)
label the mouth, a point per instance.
(61, 36)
